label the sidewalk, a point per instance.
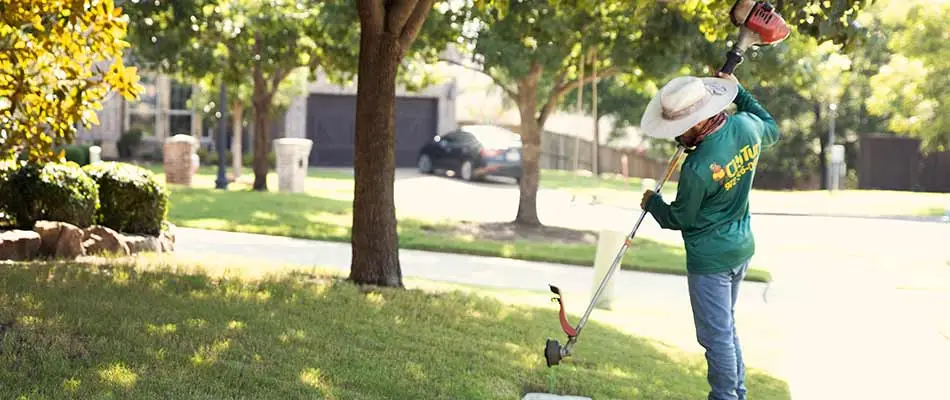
(456, 268)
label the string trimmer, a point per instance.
(553, 351)
(759, 25)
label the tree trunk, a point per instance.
(530, 157)
(595, 157)
(823, 140)
(375, 242)
(237, 154)
(261, 136)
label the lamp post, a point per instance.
(831, 162)
(222, 181)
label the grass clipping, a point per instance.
(94, 331)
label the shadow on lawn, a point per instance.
(91, 331)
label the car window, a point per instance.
(493, 136)
(450, 137)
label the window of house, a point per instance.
(179, 125)
(144, 122)
(180, 94)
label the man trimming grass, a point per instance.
(711, 208)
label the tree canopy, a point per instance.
(244, 42)
(912, 89)
(532, 50)
(58, 63)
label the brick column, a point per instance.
(178, 159)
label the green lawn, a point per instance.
(156, 332)
(324, 213)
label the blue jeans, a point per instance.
(713, 299)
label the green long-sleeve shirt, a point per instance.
(711, 208)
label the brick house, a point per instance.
(161, 111)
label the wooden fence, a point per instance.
(888, 162)
(558, 152)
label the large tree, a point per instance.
(388, 31)
(58, 62)
(237, 40)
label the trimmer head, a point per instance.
(552, 352)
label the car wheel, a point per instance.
(466, 171)
(425, 164)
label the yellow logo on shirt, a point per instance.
(742, 163)
(717, 172)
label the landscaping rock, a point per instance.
(167, 239)
(60, 239)
(103, 240)
(19, 245)
(141, 244)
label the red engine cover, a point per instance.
(770, 26)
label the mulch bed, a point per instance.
(508, 231)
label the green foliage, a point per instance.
(821, 19)
(62, 192)
(129, 143)
(912, 89)
(59, 60)
(77, 153)
(247, 44)
(132, 199)
(795, 80)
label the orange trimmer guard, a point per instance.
(565, 325)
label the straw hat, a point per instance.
(684, 102)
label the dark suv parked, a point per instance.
(473, 152)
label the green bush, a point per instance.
(53, 191)
(132, 200)
(129, 143)
(78, 153)
(7, 167)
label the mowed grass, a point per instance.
(324, 212)
(71, 330)
(615, 190)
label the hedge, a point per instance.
(132, 200)
(31, 192)
(77, 153)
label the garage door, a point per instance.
(331, 124)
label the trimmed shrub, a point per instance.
(132, 200)
(51, 191)
(78, 153)
(129, 143)
(7, 167)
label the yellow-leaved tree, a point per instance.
(59, 59)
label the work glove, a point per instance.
(646, 198)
